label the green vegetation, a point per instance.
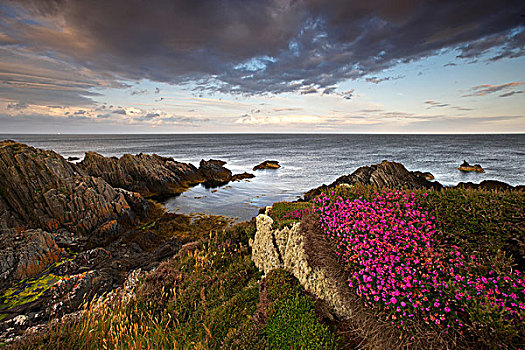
(281, 284)
(292, 322)
(27, 291)
(490, 223)
(208, 296)
(193, 301)
(280, 212)
(476, 238)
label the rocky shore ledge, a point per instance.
(73, 231)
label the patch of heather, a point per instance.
(396, 263)
(297, 214)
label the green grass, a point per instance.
(281, 209)
(292, 322)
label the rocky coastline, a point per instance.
(73, 231)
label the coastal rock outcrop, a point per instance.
(267, 164)
(490, 185)
(154, 175)
(466, 167)
(426, 175)
(143, 173)
(285, 248)
(26, 254)
(245, 175)
(214, 172)
(386, 174)
(40, 189)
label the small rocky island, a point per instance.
(466, 167)
(267, 164)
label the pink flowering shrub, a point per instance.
(395, 263)
(297, 214)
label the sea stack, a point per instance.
(267, 164)
(466, 167)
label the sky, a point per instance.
(256, 66)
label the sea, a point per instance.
(307, 160)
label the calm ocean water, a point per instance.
(307, 160)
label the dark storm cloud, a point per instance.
(329, 90)
(185, 121)
(437, 104)
(31, 78)
(255, 46)
(348, 94)
(309, 90)
(478, 47)
(150, 116)
(510, 93)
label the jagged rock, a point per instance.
(137, 203)
(267, 164)
(386, 174)
(284, 248)
(40, 189)
(143, 173)
(217, 162)
(426, 175)
(47, 203)
(486, 185)
(214, 172)
(466, 167)
(26, 254)
(239, 177)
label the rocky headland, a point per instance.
(71, 231)
(386, 174)
(153, 175)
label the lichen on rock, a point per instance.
(285, 248)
